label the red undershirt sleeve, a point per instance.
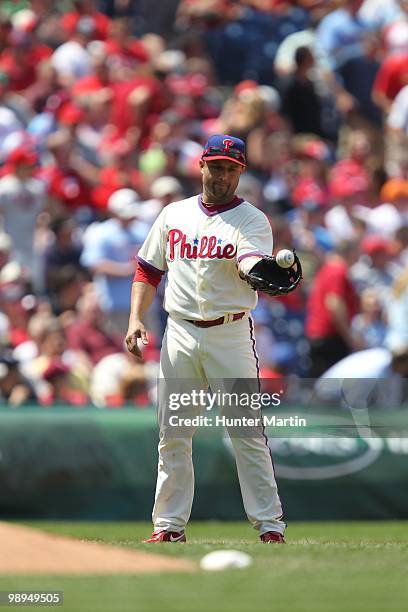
(146, 274)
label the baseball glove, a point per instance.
(269, 277)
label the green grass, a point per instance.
(325, 567)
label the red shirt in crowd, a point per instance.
(332, 278)
(110, 180)
(94, 341)
(89, 84)
(123, 114)
(66, 186)
(130, 50)
(21, 65)
(70, 20)
(392, 76)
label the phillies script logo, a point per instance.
(227, 144)
(207, 247)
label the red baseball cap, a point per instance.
(316, 149)
(22, 156)
(247, 85)
(376, 244)
(346, 186)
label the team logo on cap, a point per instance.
(228, 143)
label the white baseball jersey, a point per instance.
(20, 204)
(200, 249)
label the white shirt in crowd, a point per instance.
(20, 205)
(71, 59)
(398, 116)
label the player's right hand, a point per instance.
(136, 331)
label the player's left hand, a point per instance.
(268, 276)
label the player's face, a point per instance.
(220, 180)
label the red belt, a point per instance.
(220, 321)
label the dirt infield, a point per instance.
(33, 552)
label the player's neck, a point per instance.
(206, 201)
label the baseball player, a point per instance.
(207, 244)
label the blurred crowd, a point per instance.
(104, 109)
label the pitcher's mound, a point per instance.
(29, 551)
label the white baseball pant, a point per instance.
(221, 352)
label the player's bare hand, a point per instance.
(136, 332)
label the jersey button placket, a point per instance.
(203, 272)
(200, 282)
(201, 285)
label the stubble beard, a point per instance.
(220, 194)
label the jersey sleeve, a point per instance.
(255, 237)
(153, 250)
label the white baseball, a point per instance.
(285, 258)
(225, 559)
